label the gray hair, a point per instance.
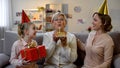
(58, 14)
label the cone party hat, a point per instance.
(103, 9)
(25, 18)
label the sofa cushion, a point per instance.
(10, 38)
(81, 54)
(81, 36)
(10, 66)
(39, 38)
(116, 39)
(4, 59)
(116, 61)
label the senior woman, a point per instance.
(60, 45)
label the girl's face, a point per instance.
(32, 31)
(96, 23)
(59, 22)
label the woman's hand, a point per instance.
(80, 45)
(55, 38)
(62, 38)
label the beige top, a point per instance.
(99, 53)
(15, 58)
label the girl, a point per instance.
(26, 32)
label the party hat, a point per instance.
(25, 18)
(103, 9)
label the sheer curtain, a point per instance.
(5, 18)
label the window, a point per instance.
(3, 13)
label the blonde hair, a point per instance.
(22, 27)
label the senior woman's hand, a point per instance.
(63, 40)
(55, 38)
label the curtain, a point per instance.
(5, 19)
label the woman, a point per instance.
(99, 45)
(61, 45)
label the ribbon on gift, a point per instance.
(32, 44)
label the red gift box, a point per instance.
(33, 54)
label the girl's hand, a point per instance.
(24, 62)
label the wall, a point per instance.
(88, 7)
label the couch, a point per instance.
(11, 36)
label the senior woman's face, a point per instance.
(59, 22)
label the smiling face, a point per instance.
(59, 22)
(97, 24)
(32, 31)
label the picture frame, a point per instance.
(77, 9)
